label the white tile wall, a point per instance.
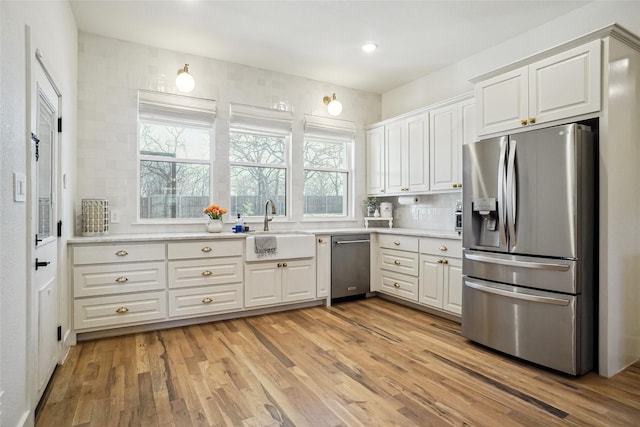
(110, 72)
(432, 212)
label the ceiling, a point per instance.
(321, 40)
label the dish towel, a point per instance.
(265, 245)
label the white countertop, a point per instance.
(443, 234)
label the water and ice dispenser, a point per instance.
(485, 222)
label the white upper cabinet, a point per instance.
(560, 86)
(397, 151)
(443, 164)
(375, 161)
(418, 148)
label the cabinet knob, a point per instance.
(122, 310)
(206, 249)
(444, 261)
(444, 248)
(122, 279)
(122, 252)
(439, 261)
(454, 185)
(382, 190)
(523, 122)
(207, 273)
(279, 265)
(284, 264)
(397, 243)
(532, 120)
(207, 300)
(396, 285)
(320, 240)
(396, 262)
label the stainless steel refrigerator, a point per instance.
(529, 246)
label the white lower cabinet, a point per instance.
(441, 274)
(205, 277)
(275, 282)
(119, 310)
(323, 265)
(398, 264)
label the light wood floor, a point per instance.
(364, 363)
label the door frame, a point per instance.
(32, 309)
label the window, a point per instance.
(258, 159)
(174, 141)
(328, 167)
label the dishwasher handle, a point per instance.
(348, 242)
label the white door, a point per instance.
(396, 155)
(443, 146)
(502, 102)
(263, 284)
(298, 280)
(418, 146)
(43, 239)
(375, 161)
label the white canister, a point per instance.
(386, 210)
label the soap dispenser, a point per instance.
(239, 226)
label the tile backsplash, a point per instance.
(431, 212)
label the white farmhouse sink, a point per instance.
(290, 244)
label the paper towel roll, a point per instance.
(408, 200)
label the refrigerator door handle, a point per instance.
(516, 263)
(511, 194)
(501, 192)
(516, 295)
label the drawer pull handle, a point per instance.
(396, 243)
(122, 310)
(443, 248)
(396, 262)
(122, 252)
(207, 273)
(207, 300)
(396, 285)
(206, 249)
(122, 279)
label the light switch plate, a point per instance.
(19, 187)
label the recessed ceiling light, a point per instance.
(369, 47)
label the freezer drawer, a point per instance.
(541, 327)
(556, 275)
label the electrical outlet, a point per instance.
(115, 216)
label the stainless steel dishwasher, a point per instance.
(350, 261)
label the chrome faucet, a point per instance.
(266, 213)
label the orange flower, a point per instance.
(214, 211)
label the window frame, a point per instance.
(155, 158)
(349, 148)
(263, 130)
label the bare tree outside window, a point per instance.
(258, 164)
(174, 170)
(326, 177)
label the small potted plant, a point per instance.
(371, 204)
(214, 212)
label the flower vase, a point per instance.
(214, 225)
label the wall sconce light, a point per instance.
(334, 107)
(184, 80)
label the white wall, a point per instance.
(111, 72)
(454, 80)
(53, 30)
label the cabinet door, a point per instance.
(431, 281)
(262, 284)
(396, 155)
(323, 266)
(502, 101)
(452, 299)
(298, 280)
(565, 85)
(467, 127)
(375, 161)
(444, 148)
(418, 156)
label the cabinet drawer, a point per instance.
(127, 252)
(202, 272)
(399, 261)
(400, 285)
(108, 279)
(205, 300)
(120, 310)
(405, 243)
(205, 249)
(441, 247)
